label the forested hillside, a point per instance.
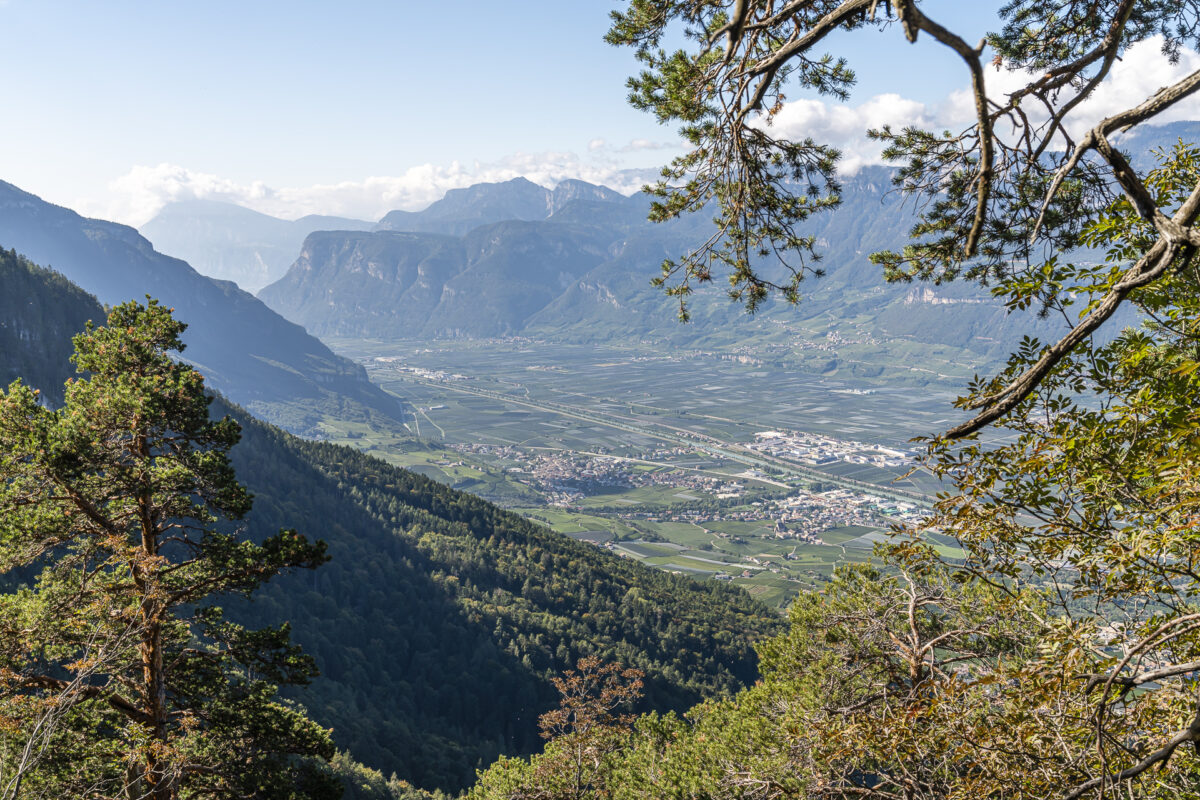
(244, 350)
(39, 312)
(440, 618)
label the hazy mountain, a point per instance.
(227, 241)
(575, 264)
(244, 349)
(484, 203)
(582, 273)
(440, 618)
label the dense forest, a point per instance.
(440, 619)
(39, 312)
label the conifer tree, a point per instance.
(119, 675)
(584, 733)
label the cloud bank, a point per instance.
(1142, 71)
(135, 197)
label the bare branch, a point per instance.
(1189, 734)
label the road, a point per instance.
(699, 442)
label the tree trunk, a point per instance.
(159, 784)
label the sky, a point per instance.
(362, 106)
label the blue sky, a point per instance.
(349, 107)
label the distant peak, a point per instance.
(205, 207)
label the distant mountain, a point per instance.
(485, 203)
(233, 243)
(1142, 141)
(440, 618)
(581, 272)
(575, 264)
(244, 349)
(389, 284)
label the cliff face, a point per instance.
(403, 285)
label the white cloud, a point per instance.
(139, 194)
(647, 144)
(1140, 73)
(602, 147)
(845, 126)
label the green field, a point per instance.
(660, 412)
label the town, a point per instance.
(811, 448)
(568, 479)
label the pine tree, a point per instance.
(119, 676)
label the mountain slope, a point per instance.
(582, 274)
(244, 349)
(40, 311)
(232, 243)
(440, 618)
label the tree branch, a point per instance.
(1149, 268)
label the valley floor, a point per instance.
(692, 462)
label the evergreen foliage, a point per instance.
(1059, 657)
(119, 676)
(441, 619)
(363, 783)
(859, 698)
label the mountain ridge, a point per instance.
(582, 274)
(247, 351)
(518, 199)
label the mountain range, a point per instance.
(574, 263)
(462, 210)
(244, 349)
